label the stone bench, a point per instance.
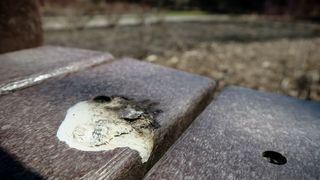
(25, 68)
(30, 117)
(245, 134)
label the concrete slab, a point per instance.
(30, 118)
(245, 134)
(25, 68)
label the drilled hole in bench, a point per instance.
(274, 157)
(102, 99)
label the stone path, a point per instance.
(99, 21)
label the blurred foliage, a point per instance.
(293, 8)
(230, 6)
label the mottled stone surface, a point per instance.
(29, 118)
(228, 139)
(24, 68)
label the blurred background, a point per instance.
(268, 45)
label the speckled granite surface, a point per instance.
(29, 119)
(228, 139)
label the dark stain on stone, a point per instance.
(121, 96)
(274, 157)
(130, 114)
(120, 134)
(132, 110)
(155, 125)
(149, 111)
(102, 99)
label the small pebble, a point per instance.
(130, 114)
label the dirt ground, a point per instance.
(267, 55)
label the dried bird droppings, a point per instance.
(106, 123)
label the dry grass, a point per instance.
(290, 67)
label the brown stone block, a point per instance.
(246, 134)
(30, 118)
(25, 68)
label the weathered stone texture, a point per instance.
(228, 139)
(29, 118)
(24, 68)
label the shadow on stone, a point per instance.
(11, 168)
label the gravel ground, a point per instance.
(274, 56)
(290, 67)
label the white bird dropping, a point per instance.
(106, 123)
